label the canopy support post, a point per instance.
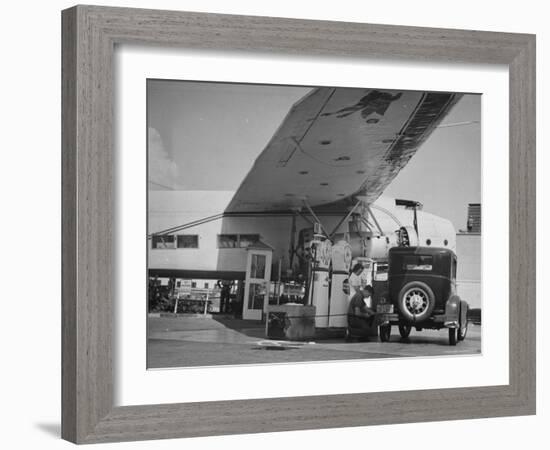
(345, 218)
(316, 218)
(374, 220)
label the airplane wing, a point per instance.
(337, 143)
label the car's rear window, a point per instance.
(417, 262)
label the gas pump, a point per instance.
(319, 286)
(341, 263)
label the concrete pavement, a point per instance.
(210, 341)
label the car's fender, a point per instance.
(452, 310)
(464, 311)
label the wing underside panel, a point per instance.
(337, 143)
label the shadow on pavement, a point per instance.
(252, 328)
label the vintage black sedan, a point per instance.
(421, 293)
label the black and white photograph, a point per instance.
(264, 225)
(296, 223)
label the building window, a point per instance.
(257, 266)
(162, 241)
(205, 285)
(246, 240)
(237, 240)
(188, 241)
(193, 284)
(228, 241)
(256, 296)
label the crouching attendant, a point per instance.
(360, 313)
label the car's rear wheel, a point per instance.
(405, 331)
(416, 301)
(452, 336)
(385, 333)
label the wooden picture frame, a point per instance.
(89, 37)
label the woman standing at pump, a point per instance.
(355, 279)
